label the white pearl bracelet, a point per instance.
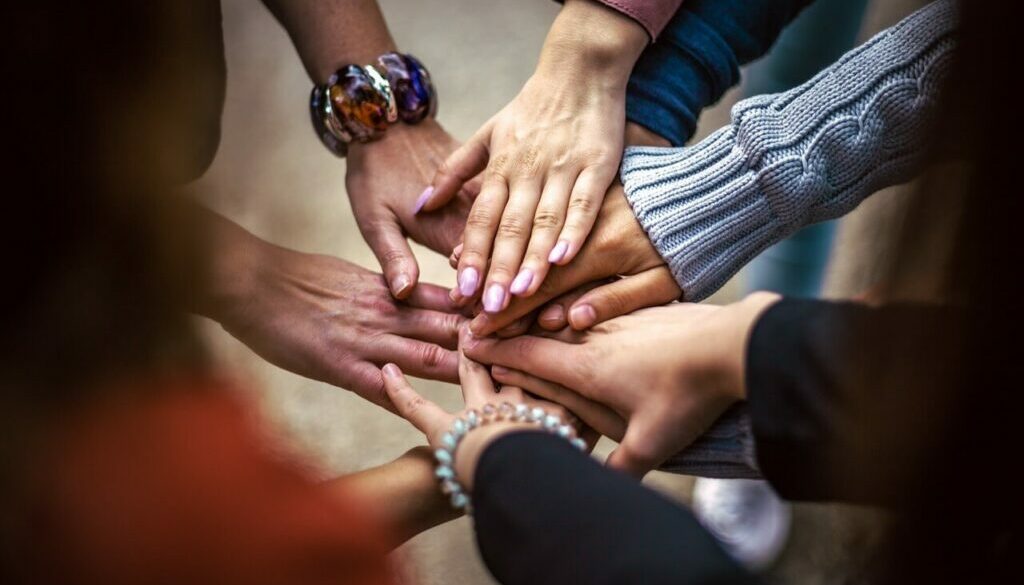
(473, 419)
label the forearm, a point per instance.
(590, 43)
(541, 507)
(787, 160)
(697, 59)
(841, 394)
(402, 495)
(331, 33)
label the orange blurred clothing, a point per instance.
(180, 487)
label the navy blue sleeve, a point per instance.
(697, 59)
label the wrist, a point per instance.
(591, 42)
(235, 261)
(637, 135)
(743, 317)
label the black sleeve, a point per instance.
(546, 513)
(839, 392)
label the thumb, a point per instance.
(641, 449)
(461, 166)
(396, 259)
(648, 289)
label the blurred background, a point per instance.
(273, 176)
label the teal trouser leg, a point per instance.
(821, 34)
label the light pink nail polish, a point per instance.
(494, 298)
(422, 200)
(522, 282)
(558, 252)
(468, 279)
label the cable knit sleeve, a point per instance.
(786, 160)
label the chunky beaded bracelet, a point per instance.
(359, 103)
(473, 419)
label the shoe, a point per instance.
(747, 518)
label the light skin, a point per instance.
(667, 373)
(325, 318)
(478, 389)
(547, 158)
(382, 177)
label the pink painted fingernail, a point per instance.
(468, 279)
(582, 317)
(522, 282)
(494, 298)
(558, 252)
(422, 200)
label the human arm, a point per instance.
(384, 177)
(799, 157)
(322, 317)
(541, 506)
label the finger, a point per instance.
(365, 380)
(389, 245)
(430, 326)
(651, 438)
(417, 358)
(477, 386)
(584, 205)
(468, 161)
(453, 260)
(509, 244)
(548, 221)
(481, 225)
(648, 289)
(517, 327)
(555, 315)
(558, 281)
(431, 297)
(595, 415)
(422, 413)
(550, 359)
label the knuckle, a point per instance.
(432, 356)
(528, 162)
(582, 205)
(546, 220)
(479, 218)
(498, 166)
(512, 226)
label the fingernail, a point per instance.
(522, 282)
(554, 314)
(422, 200)
(392, 371)
(499, 370)
(494, 298)
(558, 252)
(477, 325)
(467, 340)
(582, 316)
(400, 285)
(458, 250)
(468, 280)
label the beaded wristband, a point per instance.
(445, 455)
(359, 103)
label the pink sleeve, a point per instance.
(653, 15)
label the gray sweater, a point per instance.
(787, 160)
(790, 159)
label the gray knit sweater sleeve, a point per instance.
(786, 160)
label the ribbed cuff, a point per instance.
(703, 209)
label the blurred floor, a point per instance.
(272, 176)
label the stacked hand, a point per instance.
(654, 380)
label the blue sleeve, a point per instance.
(697, 58)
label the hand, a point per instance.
(325, 318)
(550, 156)
(478, 390)
(670, 372)
(617, 246)
(383, 179)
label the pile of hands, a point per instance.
(553, 275)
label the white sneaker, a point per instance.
(747, 518)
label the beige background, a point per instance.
(272, 176)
